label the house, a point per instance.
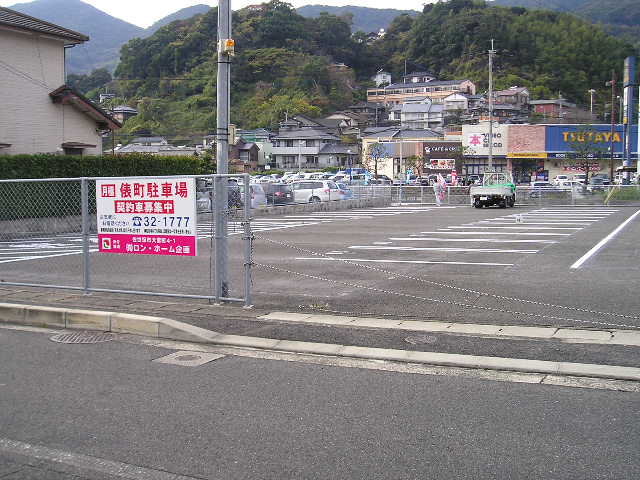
(244, 156)
(296, 147)
(555, 108)
(420, 83)
(122, 113)
(382, 78)
(40, 113)
(514, 96)
(421, 115)
(400, 144)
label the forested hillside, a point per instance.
(284, 61)
(362, 18)
(620, 18)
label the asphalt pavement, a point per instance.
(504, 266)
(103, 411)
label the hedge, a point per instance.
(67, 166)
(20, 200)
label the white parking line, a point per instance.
(497, 233)
(419, 262)
(522, 228)
(436, 249)
(530, 223)
(603, 242)
(484, 240)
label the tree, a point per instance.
(417, 163)
(374, 153)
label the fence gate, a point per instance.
(167, 236)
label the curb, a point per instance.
(71, 318)
(562, 334)
(159, 327)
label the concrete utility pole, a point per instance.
(591, 92)
(492, 52)
(225, 52)
(612, 84)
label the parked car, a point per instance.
(580, 177)
(278, 193)
(204, 193)
(560, 178)
(606, 180)
(312, 191)
(596, 185)
(345, 191)
(258, 197)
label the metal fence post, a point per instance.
(248, 247)
(219, 237)
(448, 194)
(86, 229)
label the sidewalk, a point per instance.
(501, 347)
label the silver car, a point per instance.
(314, 191)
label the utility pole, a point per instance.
(492, 52)
(225, 52)
(591, 92)
(612, 84)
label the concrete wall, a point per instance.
(33, 66)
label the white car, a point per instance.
(560, 178)
(314, 191)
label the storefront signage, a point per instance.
(598, 138)
(526, 155)
(150, 216)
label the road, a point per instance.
(107, 410)
(461, 264)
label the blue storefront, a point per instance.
(563, 140)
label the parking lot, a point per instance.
(419, 261)
(459, 263)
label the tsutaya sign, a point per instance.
(564, 138)
(149, 216)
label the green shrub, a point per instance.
(19, 200)
(71, 166)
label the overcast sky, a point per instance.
(144, 12)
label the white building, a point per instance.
(38, 112)
(382, 78)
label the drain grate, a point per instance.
(83, 337)
(421, 339)
(189, 359)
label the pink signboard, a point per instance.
(147, 216)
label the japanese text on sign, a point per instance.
(149, 217)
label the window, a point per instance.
(310, 143)
(72, 151)
(311, 160)
(288, 143)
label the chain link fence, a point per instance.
(49, 238)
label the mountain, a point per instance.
(286, 63)
(107, 34)
(620, 18)
(185, 13)
(364, 19)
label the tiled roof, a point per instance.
(306, 133)
(66, 94)
(433, 83)
(14, 19)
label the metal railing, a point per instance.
(49, 238)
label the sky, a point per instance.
(145, 12)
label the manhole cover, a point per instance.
(83, 337)
(420, 339)
(189, 359)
